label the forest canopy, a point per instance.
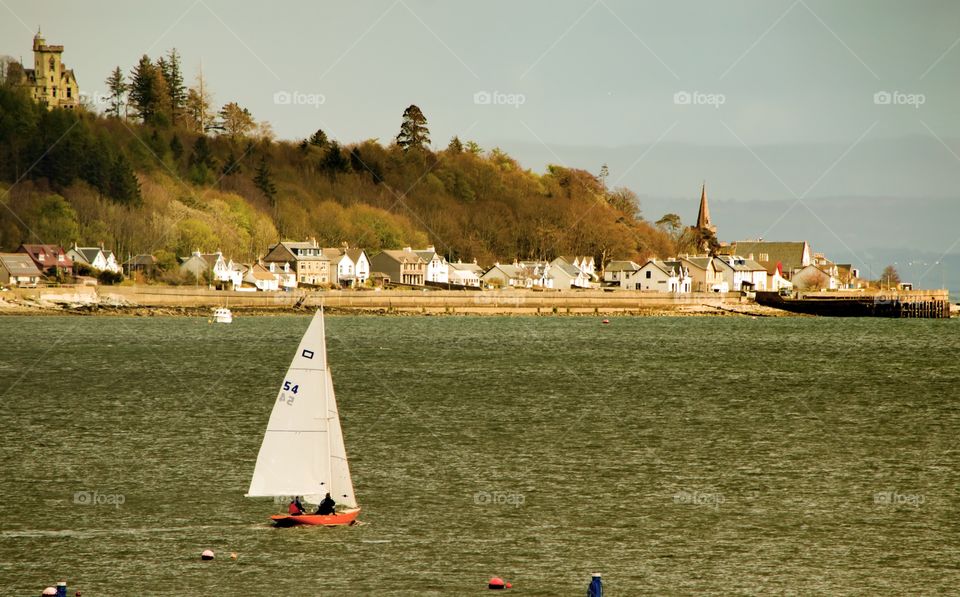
(164, 170)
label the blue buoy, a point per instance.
(596, 586)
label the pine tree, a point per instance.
(124, 187)
(264, 181)
(334, 162)
(455, 145)
(146, 91)
(319, 138)
(117, 86)
(414, 133)
(176, 91)
(202, 154)
(176, 147)
(231, 165)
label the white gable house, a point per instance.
(658, 276)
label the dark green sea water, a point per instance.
(676, 456)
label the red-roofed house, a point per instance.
(51, 259)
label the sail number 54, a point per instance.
(288, 387)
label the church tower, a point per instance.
(703, 218)
(705, 231)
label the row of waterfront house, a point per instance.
(287, 265)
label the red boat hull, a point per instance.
(327, 520)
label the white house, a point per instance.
(572, 274)
(262, 278)
(738, 270)
(465, 274)
(813, 277)
(437, 268)
(528, 274)
(236, 273)
(566, 276)
(617, 270)
(658, 276)
(348, 267)
(98, 258)
(213, 264)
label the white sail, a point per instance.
(302, 453)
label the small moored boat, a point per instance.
(222, 315)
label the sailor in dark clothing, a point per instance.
(296, 508)
(327, 506)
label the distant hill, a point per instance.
(74, 176)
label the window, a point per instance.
(649, 275)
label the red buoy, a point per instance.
(497, 584)
(606, 321)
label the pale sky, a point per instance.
(781, 93)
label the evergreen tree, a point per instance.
(264, 181)
(176, 147)
(117, 86)
(318, 139)
(176, 91)
(455, 145)
(304, 146)
(356, 160)
(231, 165)
(202, 154)
(124, 187)
(414, 133)
(98, 166)
(334, 162)
(147, 94)
(202, 164)
(156, 144)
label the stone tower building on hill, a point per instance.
(52, 82)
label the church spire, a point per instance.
(703, 218)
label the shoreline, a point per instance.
(192, 302)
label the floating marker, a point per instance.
(49, 591)
(498, 584)
(207, 555)
(233, 555)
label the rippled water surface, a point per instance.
(675, 456)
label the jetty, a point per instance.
(913, 304)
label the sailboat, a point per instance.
(303, 453)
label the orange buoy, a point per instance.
(498, 584)
(606, 321)
(207, 554)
